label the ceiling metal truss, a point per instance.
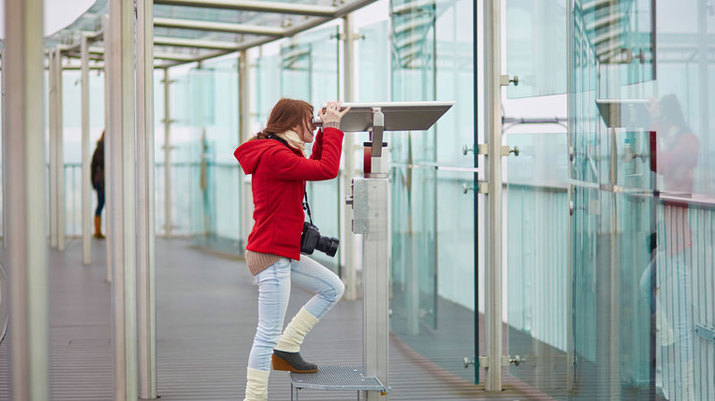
(196, 30)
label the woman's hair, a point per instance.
(286, 115)
(670, 109)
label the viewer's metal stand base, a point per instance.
(335, 378)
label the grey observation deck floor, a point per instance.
(206, 317)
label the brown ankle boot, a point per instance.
(98, 227)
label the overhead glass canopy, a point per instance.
(194, 30)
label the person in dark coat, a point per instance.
(97, 177)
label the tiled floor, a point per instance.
(206, 316)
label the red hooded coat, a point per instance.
(278, 185)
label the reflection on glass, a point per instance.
(433, 218)
(537, 213)
(642, 264)
(536, 46)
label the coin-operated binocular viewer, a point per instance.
(370, 209)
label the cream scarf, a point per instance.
(293, 140)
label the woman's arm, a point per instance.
(286, 165)
(317, 146)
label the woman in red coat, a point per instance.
(274, 157)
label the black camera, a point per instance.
(311, 240)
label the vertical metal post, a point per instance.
(59, 158)
(145, 201)
(492, 116)
(350, 240)
(376, 271)
(24, 155)
(167, 156)
(244, 134)
(122, 118)
(704, 77)
(86, 173)
(108, 134)
(53, 146)
(571, 113)
(4, 146)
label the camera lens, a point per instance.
(329, 245)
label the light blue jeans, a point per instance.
(273, 294)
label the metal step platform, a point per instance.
(335, 378)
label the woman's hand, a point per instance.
(331, 114)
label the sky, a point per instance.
(58, 14)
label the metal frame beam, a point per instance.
(158, 56)
(109, 248)
(59, 154)
(145, 200)
(86, 200)
(351, 241)
(24, 155)
(168, 224)
(195, 43)
(123, 236)
(53, 146)
(339, 13)
(256, 6)
(492, 119)
(245, 192)
(4, 146)
(268, 34)
(217, 26)
(311, 23)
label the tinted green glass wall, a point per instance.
(609, 261)
(433, 208)
(204, 175)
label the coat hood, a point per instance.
(249, 154)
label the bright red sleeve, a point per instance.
(317, 146)
(684, 153)
(287, 165)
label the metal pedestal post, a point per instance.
(371, 219)
(370, 203)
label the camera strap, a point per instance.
(306, 206)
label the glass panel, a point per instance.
(537, 258)
(205, 180)
(643, 234)
(373, 63)
(216, 86)
(413, 193)
(536, 46)
(159, 156)
(185, 169)
(268, 88)
(456, 304)
(620, 34)
(433, 205)
(223, 138)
